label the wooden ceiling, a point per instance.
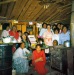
(33, 10)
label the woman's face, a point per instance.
(22, 45)
(64, 30)
(44, 26)
(8, 28)
(55, 43)
(14, 28)
(48, 28)
(24, 37)
(20, 33)
(56, 32)
(59, 26)
(38, 48)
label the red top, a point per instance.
(39, 66)
(16, 35)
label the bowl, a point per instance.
(6, 40)
(14, 40)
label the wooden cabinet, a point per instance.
(70, 60)
(63, 60)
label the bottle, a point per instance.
(13, 72)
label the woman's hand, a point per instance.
(39, 59)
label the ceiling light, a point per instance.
(46, 3)
(15, 21)
(46, 6)
(30, 23)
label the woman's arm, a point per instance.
(26, 50)
(39, 59)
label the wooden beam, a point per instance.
(10, 9)
(25, 9)
(57, 12)
(8, 1)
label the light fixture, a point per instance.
(15, 21)
(30, 23)
(46, 6)
(46, 3)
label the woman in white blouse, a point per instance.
(56, 35)
(20, 61)
(43, 29)
(5, 32)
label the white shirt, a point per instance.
(42, 31)
(19, 53)
(5, 33)
(19, 40)
(55, 37)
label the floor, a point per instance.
(50, 71)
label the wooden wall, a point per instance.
(23, 27)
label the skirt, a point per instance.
(20, 65)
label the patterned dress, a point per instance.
(20, 62)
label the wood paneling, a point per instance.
(19, 27)
(31, 10)
(23, 28)
(10, 9)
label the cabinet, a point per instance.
(5, 59)
(62, 59)
(56, 58)
(70, 60)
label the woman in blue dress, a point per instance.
(20, 61)
(64, 36)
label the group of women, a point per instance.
(22, 55)
(16, 34)
(9, 31)
(58, 32)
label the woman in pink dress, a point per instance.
(47, 36)
(39, 60)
